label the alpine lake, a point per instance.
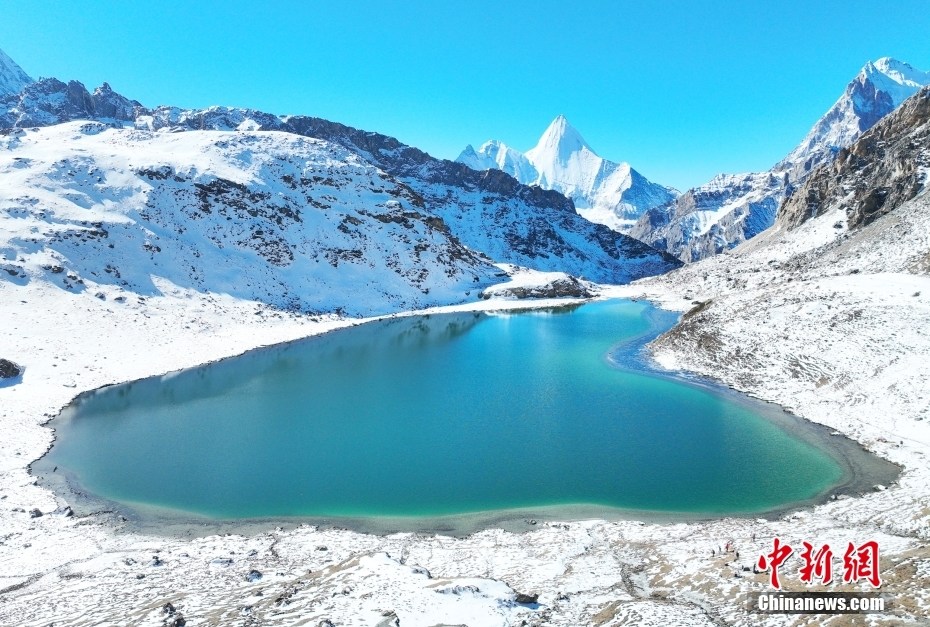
(449, 422)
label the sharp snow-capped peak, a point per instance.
(12, 77)
(875, 92)
(559, 143)
(728, 210)
(495, 155)
(605, 192)
(898, 79)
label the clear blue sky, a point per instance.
(680, 89)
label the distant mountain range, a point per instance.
(613, 194)
(299, 212)
(311, 215)
(732, 208)
(710, 218)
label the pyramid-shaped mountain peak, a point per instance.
(559, 141)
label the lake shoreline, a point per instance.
(55, 568)
(631, 355)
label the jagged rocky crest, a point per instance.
(885, 168)
(314, 209)
(731, 209)
(51, 101)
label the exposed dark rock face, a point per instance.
(885, 168)
(752, 201)
(50, 101)
(560, 288)
(9, 370)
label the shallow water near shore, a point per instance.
(447, 422)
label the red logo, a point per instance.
(775, 559)
(862, 563)
(859, 563)
(817, 565)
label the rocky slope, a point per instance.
(604, 192)
(887, 167)
(731, 209)
(486, 212)
(297, 223)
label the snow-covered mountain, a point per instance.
(705, 220)
(298, 223)
(886, 167)
(297, 212)
(12, 77)
(604, 192)
(877, 90)
(730, 209)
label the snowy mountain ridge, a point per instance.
(296, 212)
(709, 219)
(12, 77)
(879, 88)
(269, 217)
(885, 168)
(604, 192)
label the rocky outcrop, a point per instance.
(566, 287)
(526, 599)
(885, 168)
(51, 101)
(9, 370)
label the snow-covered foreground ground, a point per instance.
(98, 570)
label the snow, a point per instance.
(224, 212)
(828, 323)
(731, 209)
(81, 571)
(859, 108)
(897, 78)
(12, 77)
(603, 192)
(559, 143)
(497, 155)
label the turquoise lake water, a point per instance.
(438, 415)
